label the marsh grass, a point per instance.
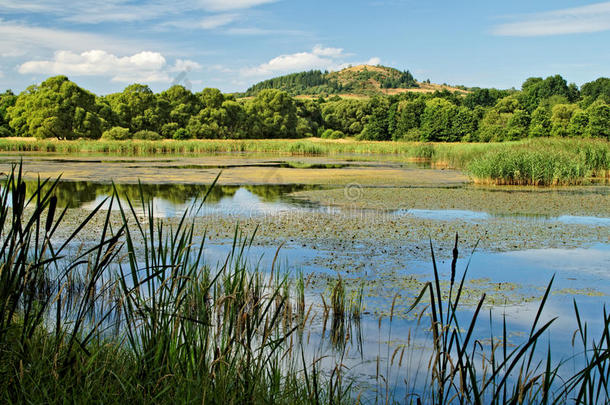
(173, 329)
(543, 162)
(139, 317)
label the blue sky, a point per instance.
(231, 44)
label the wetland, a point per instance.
(369, 223)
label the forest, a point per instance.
(543, 107)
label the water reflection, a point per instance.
(170, 200)
(478, 216)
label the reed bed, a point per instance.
(544, 162)
(139, 317)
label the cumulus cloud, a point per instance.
(323, 58)
(143, 66)
(585, 19)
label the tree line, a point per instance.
(59, 108)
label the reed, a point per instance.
(138, 316)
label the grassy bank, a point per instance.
(531, 162)
(311, 146)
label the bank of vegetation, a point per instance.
(543, 108)
(140, 317)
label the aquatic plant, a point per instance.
(138, 316)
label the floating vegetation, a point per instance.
(140, 317)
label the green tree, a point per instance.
(437, 121)
(136, 108)
(560, 119)
(376, 129)
(599, 120)
(535, 89)
(219, 121)
(272, 114)
(540, 124)
(179, 105)
(578, 123)
(484, 97)
(595, 90)
(518, 125)
(465, 124)
(310, 118)
(7, 99)
(409, 117)
(348, 116)
(57, 108)
(495, 124)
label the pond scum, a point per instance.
(138, 317)
(540, 162)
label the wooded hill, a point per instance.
(356, 80)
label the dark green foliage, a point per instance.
(312, 82)
(117, 134)
(408, 117)
(272, 114)
(545, 107)
(536, 89)
(309, 118)
(147, 135)
(348, 116)
(137, 108)
(599, 120)
(405, 80)
(540, 124)
(595, 90)
(57, 108)
(181, 134)
(7, 99)
(376, 129)
(438, 121)
(484, 97)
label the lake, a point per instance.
(371, 221)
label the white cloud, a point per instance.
(218, 20)
(94, 11)
(585, 19)
(141, 67)
(18, 39)
(323, 58)
(225, 5)
(254, 31)
(182, 65)
(332, 52)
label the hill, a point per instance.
(361, 80)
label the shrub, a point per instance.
(117, 134)
(5, 132)
(182, 133)
(327, 134)
(168, 130)
(147, 135)
(337, 135)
